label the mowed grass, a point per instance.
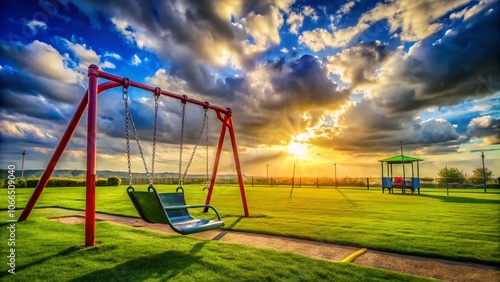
(464, 226)
(49, 251)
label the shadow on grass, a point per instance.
(163, 266)
(351, 202)
(235, 223)
(20, 268)
(455, 199)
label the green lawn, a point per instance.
(463, 226)
(48, 251)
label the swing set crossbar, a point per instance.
(224, 115)
(182, 98)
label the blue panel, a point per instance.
(386, 182)
(415, 183)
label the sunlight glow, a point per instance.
(298, 149)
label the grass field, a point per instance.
(46, 252)
(463, 226)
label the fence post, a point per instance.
(271, 182)
(317, 182)
(368, 183)
(300, 182)
(252, 181)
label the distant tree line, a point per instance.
(455, 175)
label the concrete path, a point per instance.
(426, 267)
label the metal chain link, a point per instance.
(154, 141)
(206, 141)
(181, 143)
(205, 118)
(130, 120)
(129, 163)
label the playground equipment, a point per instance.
(171, 209)
(224, 115)
(166, 208)
(388, 182)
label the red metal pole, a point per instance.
(68, 133)
(238, 166)
(217, 157)
(91, 156)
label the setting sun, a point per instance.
(298, 149)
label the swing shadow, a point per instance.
(163, 266)
(223, 232)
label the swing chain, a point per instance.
(205, 121)
(157, 96)
(181, 143)
(206, 137)
(130, 120)
(127, 135)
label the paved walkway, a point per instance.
(427, 267)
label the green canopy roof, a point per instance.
(398, 160)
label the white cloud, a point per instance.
(22, 130)
(113, 55)
(295, 21)
(318, 39)
(46, 61)
(165, 81)
(265, 28)
(308, 11)
(35, 26)
(344, 9)
(107, 65)
(86, 56)
(417, 19)
(136, 60)
(483, 4)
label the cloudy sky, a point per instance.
(309, 82)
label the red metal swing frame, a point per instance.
(90, 100)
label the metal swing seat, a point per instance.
(167, 208)
(170, 208)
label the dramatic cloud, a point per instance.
(412, 20)
(290, 97)
(42, 60)
(485, 127)
(442, 72)
(359, 63)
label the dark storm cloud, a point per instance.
(32, 106)
(302, 84)
(446, 71)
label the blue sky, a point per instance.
(309, 82)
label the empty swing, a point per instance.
(165, 208)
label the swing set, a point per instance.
(164, 208)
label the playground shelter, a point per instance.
(389, 182)
(224, 115)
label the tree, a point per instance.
(477, 175)
(454, 175)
